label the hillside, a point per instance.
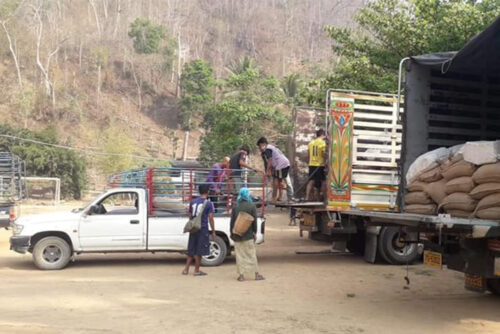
(71, 65)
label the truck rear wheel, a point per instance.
(393, 249)
(51, 253)
(218, 253)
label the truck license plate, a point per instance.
(433, 259)
(474, 283)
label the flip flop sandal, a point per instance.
(200, 273)
(259, 278)
(240, 279)
(185, 272)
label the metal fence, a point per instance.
(12, 171)
(171, 189)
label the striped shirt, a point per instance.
(278, 159)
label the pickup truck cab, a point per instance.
(116, 221)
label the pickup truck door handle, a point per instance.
(134, 222)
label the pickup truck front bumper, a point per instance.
(20, 243)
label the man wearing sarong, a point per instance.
(244, 244)
(199, 242)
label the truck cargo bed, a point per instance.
(479, 228)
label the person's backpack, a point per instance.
(194, 224)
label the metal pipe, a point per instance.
(400, 79)
(359, 92)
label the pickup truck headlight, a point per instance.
(17, 229)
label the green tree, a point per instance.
(7, 7)
(146, 35)
(115, 141)
(241, 65)
(47, 161)
(292, 86)
(197, 83)
(248, 110)
(390, 30)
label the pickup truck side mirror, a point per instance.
(92, 210)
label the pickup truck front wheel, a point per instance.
(51, 253)
(218, 253)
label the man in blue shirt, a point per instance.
(199, 242)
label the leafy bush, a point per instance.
(47, 161)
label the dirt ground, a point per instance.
(301, 294)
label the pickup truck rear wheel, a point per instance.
(51, 253)
(218, 253)
(393, 249)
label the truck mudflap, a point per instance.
(20, 244)
(475, 283)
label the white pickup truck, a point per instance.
(116, 221)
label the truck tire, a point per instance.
(493, 285)
(51, 253)
(218, 253)
(393, 250)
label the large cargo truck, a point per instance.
(449, 98)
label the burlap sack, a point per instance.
(445, 165)
(436, 190)
(456, 158)
(431, 175)
(422, 209)
(487, 173)
(489, 201)
(458, 169)
(458, 201)
(451, 161)
(416, 186)
(484, 189)
(462, 184)
(418, 197)
(490, 213)
(460, 213)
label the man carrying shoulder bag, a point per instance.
(199, 241)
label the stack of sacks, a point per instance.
(425, 182)
(487, 191)
(464, 184)
(458, 175)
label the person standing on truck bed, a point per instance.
(215, 178)
(317, 176)
(199, 242)
(278, 166)
(237, 162)
(244, 245)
